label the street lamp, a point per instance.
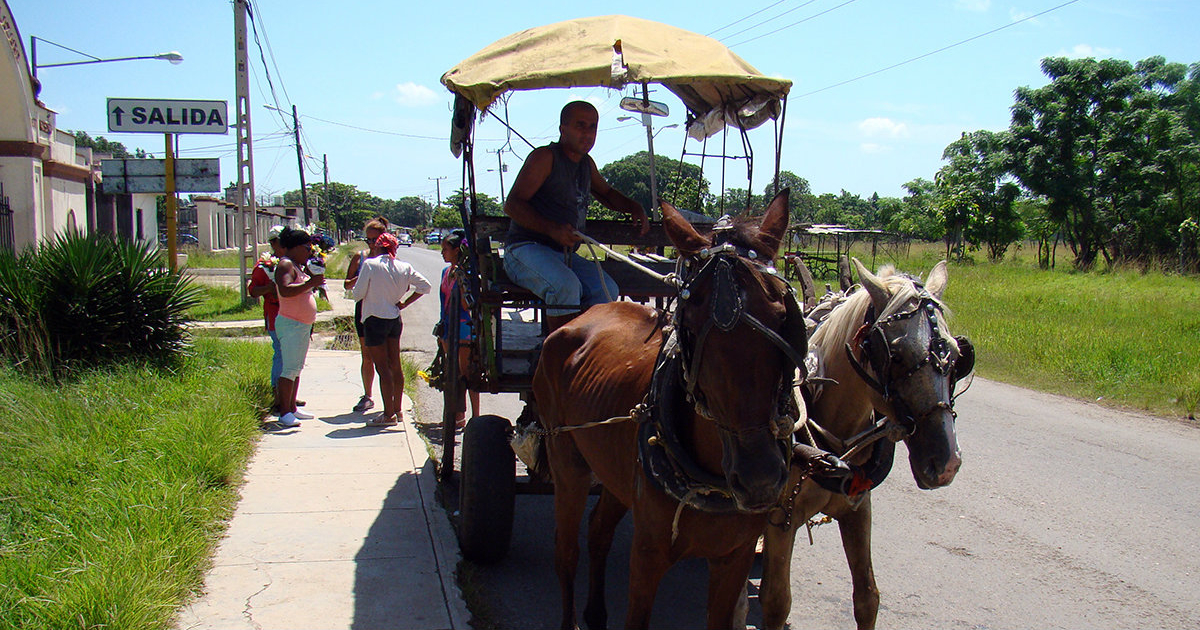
(174, 57)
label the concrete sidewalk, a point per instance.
(338, 526)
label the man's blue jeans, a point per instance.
(571, 282)
(276, 359)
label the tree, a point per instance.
(488, 205)
(799, 196)
(631, 176)
(347, 207)
(410, 211)
(1112, 148)
(977, 198)
(100, 144)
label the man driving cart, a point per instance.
(548, 205)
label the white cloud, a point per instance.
(973, 5)
(1016, 15)
(883, 127)
(412, 95)
(1080, 51)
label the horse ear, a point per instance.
(874, 286)
(774, 223)
(936, 284)
(685, 237)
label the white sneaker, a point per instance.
(303, 415)
(289, 420)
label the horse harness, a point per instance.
(872, 342)
(674, 387)
(835, 473)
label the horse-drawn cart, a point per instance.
(720, 93)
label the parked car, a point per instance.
(181, 238)
(433, 238)
(405, 239)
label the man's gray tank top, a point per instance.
(563, 198)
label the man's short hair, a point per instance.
(569, 110)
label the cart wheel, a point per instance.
(487, 489)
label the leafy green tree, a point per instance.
(631, 176)
(919, 215)
(488, 205)
(1112, 148)
(100, 144)
(977, 198)
(410, 211)
(447, 217)
(799, 197)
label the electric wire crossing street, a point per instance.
(167, 116)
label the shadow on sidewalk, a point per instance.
(394, 583)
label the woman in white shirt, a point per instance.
(383, 282)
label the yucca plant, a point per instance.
(91, 300)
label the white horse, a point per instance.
(889, 354)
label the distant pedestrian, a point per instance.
(383, 282)
(297, 312)
(456, 320)
(374, 228)
(262, 285)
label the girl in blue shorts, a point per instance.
(455, 319)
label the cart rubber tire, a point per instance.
(486, 490)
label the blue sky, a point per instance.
(365, 78)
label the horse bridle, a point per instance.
(726, 312)
(873, 343)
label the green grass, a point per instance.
(114, 488)
(227, 259)
(1125, 338)
(224, 304)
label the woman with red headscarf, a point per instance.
(382, 286)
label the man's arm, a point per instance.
(259, 284)
(616, 200)
(533, 174)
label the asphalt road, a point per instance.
(1065, 515)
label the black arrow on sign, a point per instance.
(118, 111)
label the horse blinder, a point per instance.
(966, 358)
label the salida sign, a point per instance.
(139, 115)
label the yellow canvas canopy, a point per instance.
(714, 84)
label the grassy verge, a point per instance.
(1122, 337)
(226, 259)
(114, 488)
(224, 304)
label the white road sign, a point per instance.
(140, 115)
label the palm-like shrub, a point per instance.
(81, 301)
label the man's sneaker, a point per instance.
(364, 403)
(303, 415)
(289, 420)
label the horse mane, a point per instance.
(844, 321)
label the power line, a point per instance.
(769, 20)
(934, 52)
(735, 22)
(815, 15)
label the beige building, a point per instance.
(46, 184)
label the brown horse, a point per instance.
(904, 367)
(709, 452)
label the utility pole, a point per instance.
(247, 212)
(500, 169)
(300, 163)
(438, 180)
(646, 121)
